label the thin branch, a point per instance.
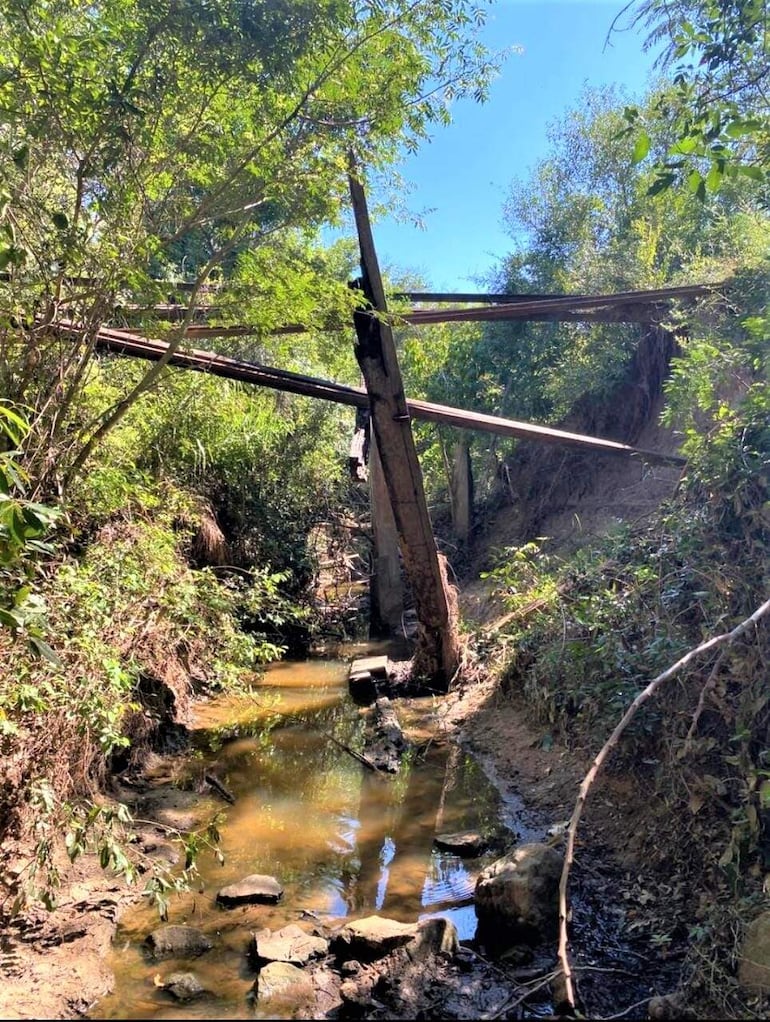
(710, 682)
(518, 998)
(726, 638)
(625, 1011)
(364, 760)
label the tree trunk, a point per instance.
(438, 651)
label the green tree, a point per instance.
(718, 55)
(186, 135)
(24, 528)
(585, 223)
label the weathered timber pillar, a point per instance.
(387, 591)
(461, 484)
(438, 651)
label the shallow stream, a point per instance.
(344, 842)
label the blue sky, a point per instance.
(459, 181)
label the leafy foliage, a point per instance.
(717, 106)
(24, 527)
(185, 139)
(583, 223)
(585, 634)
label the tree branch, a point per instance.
(725, 639)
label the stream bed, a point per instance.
(344, 842)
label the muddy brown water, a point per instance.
(342, 841)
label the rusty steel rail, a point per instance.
(620, 307)
(522, 308)
(125, 343)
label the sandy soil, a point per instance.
(53, 963)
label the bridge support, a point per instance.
(437, 654)
(387, 591)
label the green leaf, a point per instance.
(14, 425)
(42, 649)
(755, 173)
(686, 145)
(11, 620)
(641, 148)
(60, 221)
(739, 128)
(714, 178)
(695, 181)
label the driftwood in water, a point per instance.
(364, 760)
(216, 784)
(386, 744)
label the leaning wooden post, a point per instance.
(437, 654)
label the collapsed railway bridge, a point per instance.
(401, 524)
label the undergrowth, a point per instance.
(133, 633)
(585, 634)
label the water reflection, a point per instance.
(343, 841)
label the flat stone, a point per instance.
(183, 986)
(177, 942)
(371, 938)
(364, 677)
(465, 843)
(253, 889)
(754, 961)
(290, 944)
(292, 988)
(374, 666)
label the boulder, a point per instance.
(369, 939)
(290, 944)
(252, 890)
(183, 986)
(326, 997)
(425, 978)
(666, 1006)
(436, 936)
(177, 942)
(518, 894)
(754, 960)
